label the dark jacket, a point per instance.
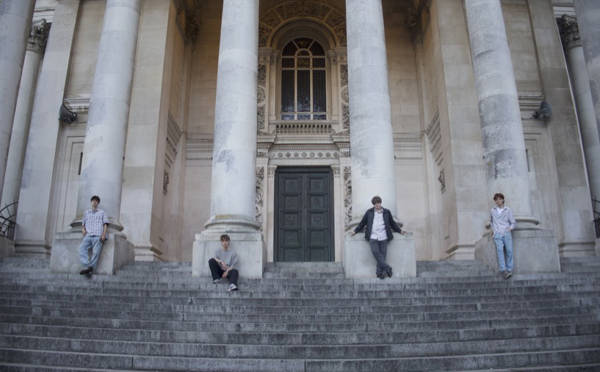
(367, 221)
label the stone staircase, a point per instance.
(457, 315)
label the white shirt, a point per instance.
(93, 221)
(378, 230)
(502, 220)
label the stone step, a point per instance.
(328, 327)
(234, 350)
(321, 316)
(298, 338)
(447, 363)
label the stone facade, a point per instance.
(408, 116)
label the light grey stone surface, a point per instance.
(360, 263)
(588, 18)
(116, 252)
(234, 149)
(500, 115)
(104, 147)
(248, 246)
(371, 139)
(33, 215)
(20, 129)
(15, 23)
(584, 102)
(534, 251)
(576, 233)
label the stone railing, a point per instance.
(302, 127)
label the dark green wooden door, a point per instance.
(304, 214)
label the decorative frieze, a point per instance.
(569, 31)
(303, 154)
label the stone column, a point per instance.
(588, 19)
(233, 185)
(371, 137)
(20, 128)
(15, 21)
(502, 132)
(104, 144)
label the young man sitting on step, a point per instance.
(223, 264)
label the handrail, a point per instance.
(8, 220)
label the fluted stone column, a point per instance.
(15, 23)
(502, 132)
(104, 144)
(233, 185)
(371, 137)
(588, 19)
(18, 138)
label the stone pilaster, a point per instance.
(18, 138)
(15, 21)
(371, 137)
(104, 144)
(33, 235)
(502, 132)
(233, 181)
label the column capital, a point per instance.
(38, 36)
(569, 31)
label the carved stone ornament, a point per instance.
(38, 36)
(569, 31)
(259, 201)
(347, 195)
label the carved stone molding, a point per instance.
(347, 195)
(569, 31)
(38, 36)
(321, 11)
(304, 154)
(259, 201)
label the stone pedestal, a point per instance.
(116, 252)
(7, 247)
(534, 251)
(360, 263)
(248, 245)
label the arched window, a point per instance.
(303, 84)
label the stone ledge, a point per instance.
(247, 244)
(360, 263)
(534, 251)
(64, 257)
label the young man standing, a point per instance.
(503, 222)
(93, 227)
(223, 264)
(379, 225)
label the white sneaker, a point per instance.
(232, 287)
(216, 281)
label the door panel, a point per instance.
(304, 217)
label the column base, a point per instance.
(247, 243)
(117, 251)
(7, 247)
(32, 248)
(577, 249)
(534, 251)
(148, 254)
(360, 263)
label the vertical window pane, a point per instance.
(319, 103)
(287, 91)
(287, 62)
(303, 91)
(318, 62)
(304, 62)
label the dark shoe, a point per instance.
(85, 271)
(89, 273)
(381, 276)
(389, 272)
(507, 275)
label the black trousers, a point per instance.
(379, 250)
(217, 272)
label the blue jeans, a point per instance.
(94, 242)
(504, 241)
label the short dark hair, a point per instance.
(498, 195)
(376, 199)
(95, 197)
(225, 238)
